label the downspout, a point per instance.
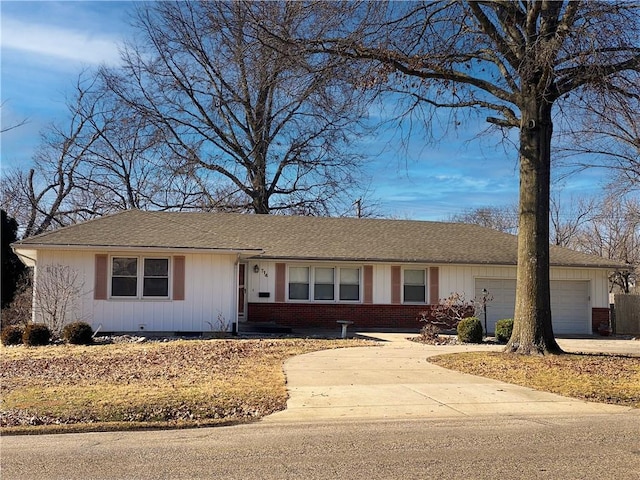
(235, 327)
(33, 293)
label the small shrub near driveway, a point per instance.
(78, 333)
(36, 334)
(429, 333)
(504, 328)
(470, 330)
(12, 335)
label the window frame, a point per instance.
(319, 286)
(150, 277)
(141, 277)
(424, 285)
(308, 283)
(113, 276)
(340, 285)
(311, 269)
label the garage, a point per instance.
(570, 305)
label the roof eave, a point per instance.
(17, 247)
(582, 265)
(432, 261)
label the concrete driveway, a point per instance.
(395, 381)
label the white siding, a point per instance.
(461, 279)
(382, 284)
(211, 290)
(263, 281)
(209, 305)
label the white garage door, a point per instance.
(569, 304)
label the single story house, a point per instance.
(179, 272)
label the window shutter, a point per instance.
(396, 284)
(434, 285)
(178, 277)
(102, 277)
(280, 281)
(368, 284)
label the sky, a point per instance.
(45, 45)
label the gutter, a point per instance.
(230, 251)
(28, 261)
(441, 262)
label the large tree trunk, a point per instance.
(260, 204)
(260, 194)
(532, 329)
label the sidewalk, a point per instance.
(394, 381)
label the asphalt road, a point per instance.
(542, 447)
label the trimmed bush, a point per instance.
(78, 333)
(12, 335)
(504, 328)
(470, 330)
(36, 334)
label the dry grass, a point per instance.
(600, 378)
(180, 383)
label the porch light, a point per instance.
(256, 268)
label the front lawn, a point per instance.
(164, 384)
(601, 378)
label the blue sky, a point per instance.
(46, 44)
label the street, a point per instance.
(605, 446)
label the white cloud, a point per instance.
(58, 43)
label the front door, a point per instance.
(242, 292)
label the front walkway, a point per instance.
(394, 380)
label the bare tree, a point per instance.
(14, 125)
(567, 219)
(241, 112)
(566, 222)
(513, 62)
(43, 198)
(57, 296)
(503, 219)
(104, 159)
(125, 166)
(614, 232)
(607, 134)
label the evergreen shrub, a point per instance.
(78, 333)
(470, 330)
(36, 334)
(504, 328)
(12, 335)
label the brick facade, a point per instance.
(598, 316)
(363, 315)
(325, 315)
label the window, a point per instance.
(299, 283)
(156, 277)
(129, 276)
(350, 284)
(124, 277)
(323, 288)
(414, 286)
(324, 284)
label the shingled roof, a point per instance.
(303, 238)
